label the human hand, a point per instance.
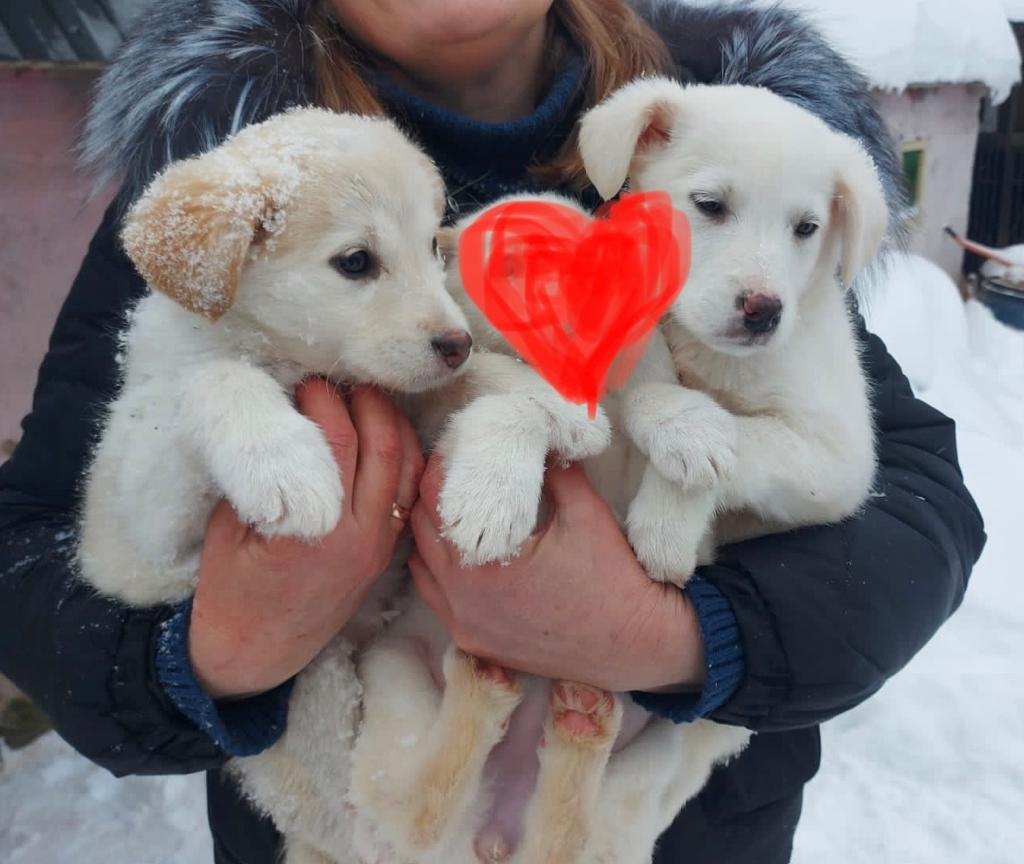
(265, 607)
(574, 605)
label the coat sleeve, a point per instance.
(826, 615)
(88, 661)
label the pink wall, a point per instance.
(945, 120)
(46, 220)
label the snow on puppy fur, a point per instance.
(191, 232)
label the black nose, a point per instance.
(761, 312)
(453, 346)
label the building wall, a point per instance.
(945, 120)
(46, 220)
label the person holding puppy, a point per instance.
(780, 635)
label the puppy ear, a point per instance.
(448, 241)
(190, 233)
(637, 119)
(861, 212)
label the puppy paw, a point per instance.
(688, 437)
(584, 715)
(488, 517)
(667, 555)
(494, 469)
(479, 700)
(575, 436)
(288, 485)
(667, 527)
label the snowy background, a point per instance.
(929, 771)
(901, 42)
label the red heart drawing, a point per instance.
(577, 297)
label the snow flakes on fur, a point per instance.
(190, 233)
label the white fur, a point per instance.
(760, 437)
(765, 434)
(427, 800)
(206, 410)
(801, 447)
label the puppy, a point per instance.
(770, 430)
(785, 213)
(457, 775)
(304, 245)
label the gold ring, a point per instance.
(400, 513)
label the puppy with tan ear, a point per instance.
(270, 258)
(301, 246)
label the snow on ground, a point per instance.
(1012, 273)
(57, 808)
(929, 771)
(924, 42)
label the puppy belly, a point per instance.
(512, 768)
(511, 774)
(634, 720)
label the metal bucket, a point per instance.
(1006, 303)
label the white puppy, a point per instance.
(785, 214)
(771, 431)
(775, 430)
(304, 245)
(456, 775)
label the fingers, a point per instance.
(381, 453)
(430, 488)
(224, 530)
(322, 404)
(435, 551)
(429, 589)
(408, 488)
(412, 465)
(568, 488)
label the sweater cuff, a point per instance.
(240, 728)
(723, 660)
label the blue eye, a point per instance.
(359, 264)
(806, 229)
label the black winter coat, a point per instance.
(826, 615)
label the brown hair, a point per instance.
(616, 45)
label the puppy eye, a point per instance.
(359, 264)
(806, 229)
(711, 207)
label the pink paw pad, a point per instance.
(581, 713)
(492, 672)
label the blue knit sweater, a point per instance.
(480, 162)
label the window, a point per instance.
(913, 169)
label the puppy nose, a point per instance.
(453, 347)
(761, 312)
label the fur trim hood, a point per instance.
(195, 71)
